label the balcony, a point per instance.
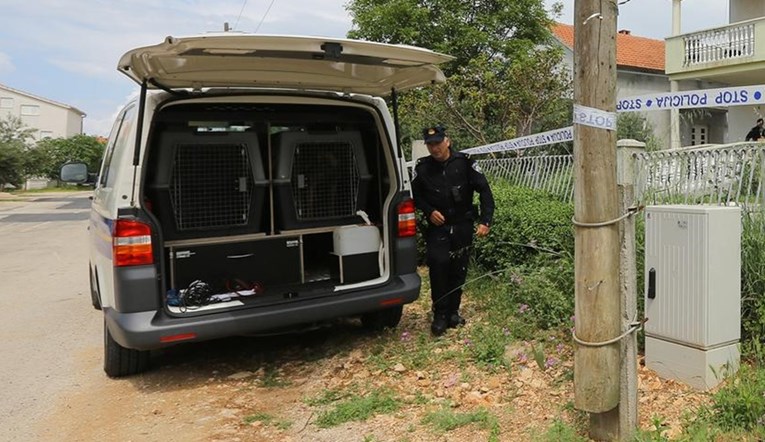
(733, 54)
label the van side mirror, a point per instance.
(74, 173)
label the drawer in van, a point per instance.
(235, 266)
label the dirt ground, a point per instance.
(206, 392)
(254, 388)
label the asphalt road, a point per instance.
(46, 321)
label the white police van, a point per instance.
(255, 185)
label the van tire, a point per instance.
(94, 296)
(380, 319)
(120, 361)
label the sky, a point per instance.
(67, 51)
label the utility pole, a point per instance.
(596, 211)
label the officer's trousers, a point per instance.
(448, 255)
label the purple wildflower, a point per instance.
(522, 309)
(560, 348)
(523, 358)
(550, 362)
(405, 336)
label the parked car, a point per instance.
(255, 185)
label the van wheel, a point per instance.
(381, 319)
(120, 361)
(94, 299)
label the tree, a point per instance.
(633, 125)
(507, 79)
(14, 136)
(12, 128)
(54, 152)
(11, 163)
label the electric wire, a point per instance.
(264, 16)
(240, 14)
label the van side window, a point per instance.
(118, 140)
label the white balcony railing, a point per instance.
(733, 42)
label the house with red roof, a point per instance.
(640, 68)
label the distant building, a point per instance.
(49, 118)
(730, 55)
(640, 70)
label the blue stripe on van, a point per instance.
(101, 233)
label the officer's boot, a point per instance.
(440, 324)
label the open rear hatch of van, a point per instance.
(265, 198)
(307, 63)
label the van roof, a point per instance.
(280, 61)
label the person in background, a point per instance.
(756, 132)
(443, 185)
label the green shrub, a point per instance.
(739, 405)
(752, 275)
(527, 223)
(487, 344)
(544, 294)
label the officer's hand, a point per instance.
(437, 218)
(482, 230)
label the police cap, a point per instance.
(434, 134)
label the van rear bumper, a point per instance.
(144, 330)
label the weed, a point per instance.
(739, 404)
(655, 434)
(358, 408)
(267, 419)
(487, 345)
(446, 420)
(325, 398)
(560, 432)
(272, 379)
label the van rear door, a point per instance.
(307, 63)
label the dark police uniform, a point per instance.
(449, 187)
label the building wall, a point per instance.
(740, 10)
(741, 119)
(638, 83)
(48, 119)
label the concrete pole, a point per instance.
(626, 151)
(596, 260)
(674, 114)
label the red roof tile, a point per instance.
(632, 51)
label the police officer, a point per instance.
(443, 185)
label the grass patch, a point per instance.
(272, 379)
(325, 398)
(560, 431)
(447, 420)
(65, 189)
(268, 419)
(358, 408)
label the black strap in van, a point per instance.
(397, 130)
(138, 136)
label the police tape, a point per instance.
(540, 139)
(721, 97)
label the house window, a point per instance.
(699, 134)
(30, 109)
(6, 103)
(46, 134)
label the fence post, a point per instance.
(625, 181)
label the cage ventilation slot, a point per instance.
(211, 186)
(325, 180)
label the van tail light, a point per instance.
(407, 224)
(131, 243)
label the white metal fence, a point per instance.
(722, 174)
